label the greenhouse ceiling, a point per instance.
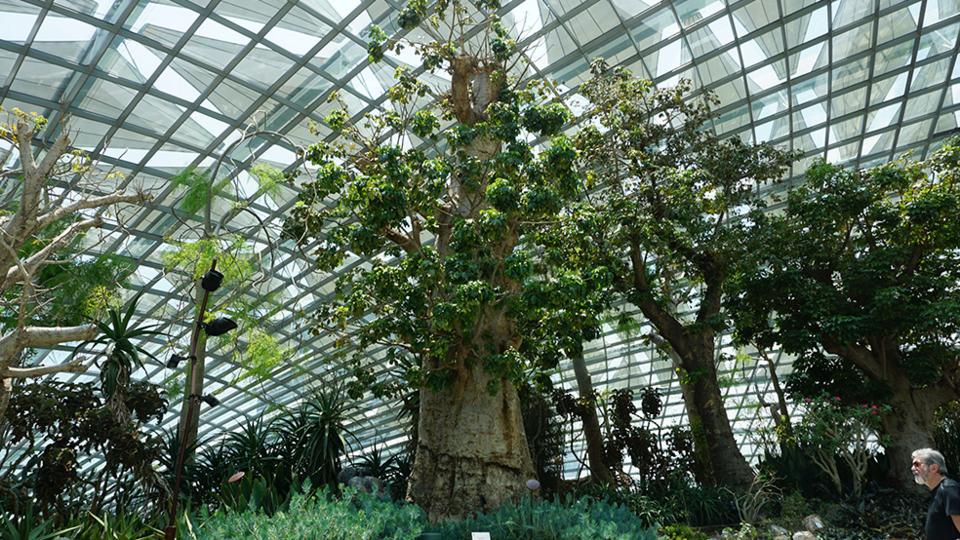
(152, 87)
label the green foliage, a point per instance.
(681, 532)
(746, 531)
(198, 189)
(483, 196)
(377, 39)
(253, 494)
(580, 519)
(60, 425)
(235, 260)
(356, 516)
(829, 427)
(946, 434)
(301, 445)
(29, 525)
(870, 261)
(268, 178)
(880, 515)
(674, 193)
(80, 288)
(121, 526)
(263, 353)
(123, 351)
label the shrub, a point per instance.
(831, 428)
(681, 532)
(580, 519)
(356, 516)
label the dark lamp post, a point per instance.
(219, 326)
(210, 282)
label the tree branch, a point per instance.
(30, 266)
(667, 325)
(96, 202)
(75, 366)
(406, 243)
(41, 336)
(860, 356)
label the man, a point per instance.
(943, 515)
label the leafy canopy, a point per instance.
(863, 259)
(443, 214)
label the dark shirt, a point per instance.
(945, 503)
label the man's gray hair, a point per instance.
(931, 456)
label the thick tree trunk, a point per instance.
(909, 427)
(599, 472)
(472, 453)
(701, 453)
(6, 389)
(726, 462)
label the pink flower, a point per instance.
(836, 398)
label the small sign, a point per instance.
(480, 536)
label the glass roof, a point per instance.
(154, 86)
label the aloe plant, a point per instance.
(123, 354)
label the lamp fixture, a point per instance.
(218, 326)
(175, 360)
(208, 399)
(211, 280)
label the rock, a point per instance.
(804, 535)
(777, 532)
(813, 523)
(367, 484)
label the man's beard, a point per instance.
(919, 479)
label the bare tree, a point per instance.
(48, 220)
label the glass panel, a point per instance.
(106, 98)
(893, 57)
(65, 38)
(928, 75)
(810, 89)
(848, 11)
(914, 133)
(807, 27)
(851, 73)
(718, 67)
(923, 104)
(654, 28)
(769, 105)
(162, 21)
(848, 102)
(938, 41)
(155, 114)
(691, 12)
(809, 59)
(756, 15)
(40, 79)
(128, 59)
(896, 24)
(852, 41)
(261, 68)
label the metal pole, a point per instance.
(170, 533)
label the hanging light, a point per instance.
(208, 399)
(211, 280)
(175, 360)
(219, 326)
